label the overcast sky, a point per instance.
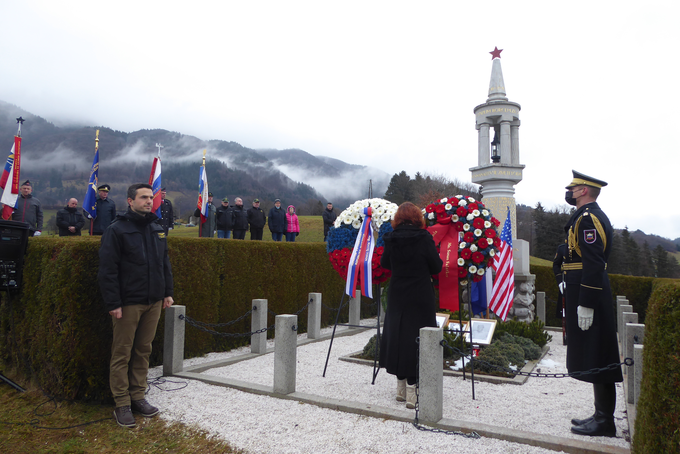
(387, 84)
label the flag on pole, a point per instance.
(90, 200)
(478, 293)
(504, 285)
(202, 204)
(155, 182)
(9, 182)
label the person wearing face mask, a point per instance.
(591, 328)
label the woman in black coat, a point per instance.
(411, 255)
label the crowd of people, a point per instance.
(228, 221)
(224, 221)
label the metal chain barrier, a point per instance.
(197, 325)
(221, 325)
(205, 327)
(417, 425)
(580, 373)
(334, 309)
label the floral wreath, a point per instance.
(479, 243)
(342, 236)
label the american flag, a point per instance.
(504, 285)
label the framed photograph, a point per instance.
(442, 320)
(457, 327)
(482, 331)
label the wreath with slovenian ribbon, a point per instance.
(355, 243)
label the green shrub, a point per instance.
(534, 331)
(657, 425)
(529, 347)
(58, 333)
(370, 351)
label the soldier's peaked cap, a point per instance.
(585, 180)
(104, 187)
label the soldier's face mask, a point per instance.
(569, 196)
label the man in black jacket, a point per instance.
(135, 280)
(240, 220)
(167, 219)
(257, 220)
(70, 220)
(329, 218)
(277, 221)
(225, 219)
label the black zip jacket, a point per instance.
(134, 267)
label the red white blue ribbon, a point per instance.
(360, 263)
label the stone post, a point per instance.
(626, 340)
(619, 319)
(355, 308)
(173, 341)
(258, 321)
(383, 311)
(637, 357)
(314, 316)
(635, 335)
(285, 354)
(540, 306)
(431, 375)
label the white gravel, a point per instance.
(263, 424)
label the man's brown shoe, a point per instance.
(124, 416)
(144, 408)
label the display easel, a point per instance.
(376, 367)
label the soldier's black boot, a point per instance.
(602, 422)
(580, 422)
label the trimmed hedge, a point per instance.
(657, 425)
(636, 289)
(58, 334)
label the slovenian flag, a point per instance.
(9, 181)
(202, 204)
(155, 182)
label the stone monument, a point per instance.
(498, 171)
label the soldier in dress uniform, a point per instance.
(591, 328)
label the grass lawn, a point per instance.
(311, 230)
(31, 423)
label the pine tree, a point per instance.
(660, 257)
(646, 262)
(399, 189)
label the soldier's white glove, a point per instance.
(36, 233)
(585, 317)
(89, 216)
(562, 286)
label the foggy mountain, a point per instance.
(340, 182)
(58, 160)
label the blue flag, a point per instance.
(90, 200)
(478, 298)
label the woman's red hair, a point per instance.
(408, 213)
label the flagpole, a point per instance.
(96, 150)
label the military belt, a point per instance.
(575, 266)
(572, 266)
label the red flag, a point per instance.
(503, 291)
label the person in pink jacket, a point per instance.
(292, 224)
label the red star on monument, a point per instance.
(496, 53)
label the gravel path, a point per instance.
(263, 424)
